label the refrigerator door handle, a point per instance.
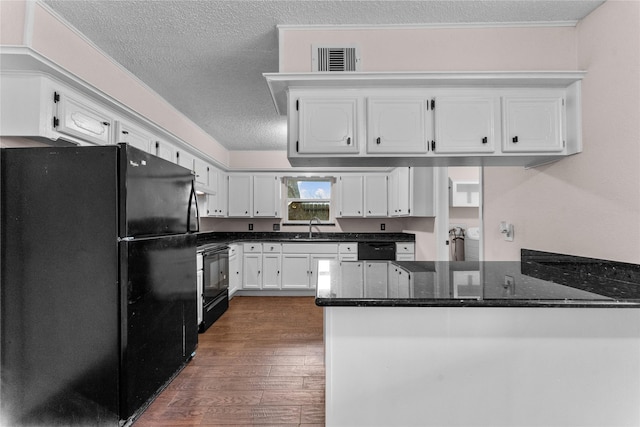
(193, 198)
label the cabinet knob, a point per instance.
(106, 123)
(349, 141)
(124, 132)
(484, 140)
(515, 139)
(378, 140)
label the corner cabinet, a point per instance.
(430, 119)
(412, 192)
(534, 123)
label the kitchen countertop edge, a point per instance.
(221, 238)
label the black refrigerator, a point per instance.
(98, 290)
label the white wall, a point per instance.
(588, 204)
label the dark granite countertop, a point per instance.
(209, 238)
(540, 279)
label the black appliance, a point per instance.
(98, 295)
(377, 251)
(215, 288)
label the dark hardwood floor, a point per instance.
(261, 363)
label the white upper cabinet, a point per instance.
(266, 196)
(533, 123)
(204, 174)
(351, 196)
(396, 125)
(376, 195)
(476, 119)
(327, 125)
(134, 136)
(218, 198)
(80, 117)
(412, 192)
(466, 124)
(240, 195)
(165, 150)
(186, 160)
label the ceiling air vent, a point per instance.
(335, 58)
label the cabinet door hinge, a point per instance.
(433, 146)
(56, 122)
(433, 104)
(563, 102)
(157, 145)
(56, 97)
(297, 145)
(297, 105)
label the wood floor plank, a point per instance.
(252, 415)
(261, 363)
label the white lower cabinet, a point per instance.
(300, 263)
(199, 285)
(295, 271)
(313, 264)
(294, 266)
(271, 265)
(376, 279)
(235, 268)
(399, 282)
(352, 280)
(252, 266)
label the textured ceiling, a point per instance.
(207, 57)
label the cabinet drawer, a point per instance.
(348, 248)
(310, 248)
(272, 248)
(252, 248)
(405, 248)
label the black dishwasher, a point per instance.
(385, 251)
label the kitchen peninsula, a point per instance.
(552, 340)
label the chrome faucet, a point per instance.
(310, 223)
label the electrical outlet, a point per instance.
(382, 226)
(250, 227)
(276, 227)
